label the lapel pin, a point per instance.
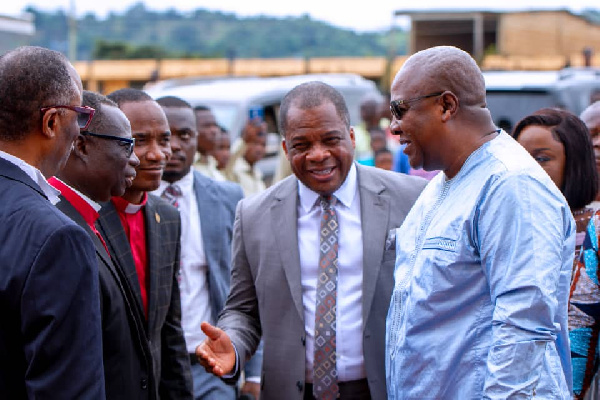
(157, 217)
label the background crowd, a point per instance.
(143, 256)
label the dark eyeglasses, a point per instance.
(84, 114)
(130, 142)
(396, 105)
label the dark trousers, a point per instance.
(351, 390)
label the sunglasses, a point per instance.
(400, 107)
(84, 114)
(127, 143)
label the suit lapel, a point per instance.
(70, 211)
(152, 220)
(11, 171)
(209, 211)
(111, 228)
(374, 209)
(208, 204)
(284, 225)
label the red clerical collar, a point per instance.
(121, 204)
(81, 205)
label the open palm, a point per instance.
(216, 354)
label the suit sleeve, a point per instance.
(240, 317)
(60, 319)
(176, 378)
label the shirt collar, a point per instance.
(123, 206)
(35, 175)
(345, 193)
(91, 202)
(186, 184)
(83, 204)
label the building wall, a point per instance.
(546, 34)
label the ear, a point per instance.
(80, 147)
(450, 105)
(50, 122)
(284, 147)
(352, 137)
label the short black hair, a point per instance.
(385, 150)
(580, 176)
(97, 101)
(31, 78)
(129, 95)
(201, 108)
(173, 101)
(310, 95)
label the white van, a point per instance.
(230, 99)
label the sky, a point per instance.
(358, 15)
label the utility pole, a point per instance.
(72, 32)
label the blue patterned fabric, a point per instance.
(584, 311)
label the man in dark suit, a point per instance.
(207, 210)
(50, 335)
(142, 234)
(102, 164)
(312, 267)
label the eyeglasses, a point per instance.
(130, 142)
(398, 111)
(84, 114)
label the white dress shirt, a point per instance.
(193, 282)
(35, 175)
(349, 343)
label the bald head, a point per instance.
(446, 68)
(591, 116)
(32, 78)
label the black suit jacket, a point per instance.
(163, 328)
(50, 334)
(127, 356)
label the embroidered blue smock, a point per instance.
(483, 265)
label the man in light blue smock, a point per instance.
(484, 258)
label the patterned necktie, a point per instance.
(172, 194)
(325, 385)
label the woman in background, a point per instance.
(560, 142)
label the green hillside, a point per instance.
(143, 33)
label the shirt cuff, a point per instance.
(236, 367)
(253, 379)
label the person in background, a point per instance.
(246, 152)
(561, 144)
(370, 115)
(142, 233)
(208, 131)
(591, 118)
(102, 164)
(484, 258)
(292, 233)
(207, 209)
(222, 151)
(51, 334)
(384, 159)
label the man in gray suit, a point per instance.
(318, 296)
(207, 209)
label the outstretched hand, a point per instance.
(216, 354)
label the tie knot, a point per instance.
(173, 190)
(172, 193)
(327, 202)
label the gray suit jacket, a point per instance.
(216, 205)
(266, 294)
